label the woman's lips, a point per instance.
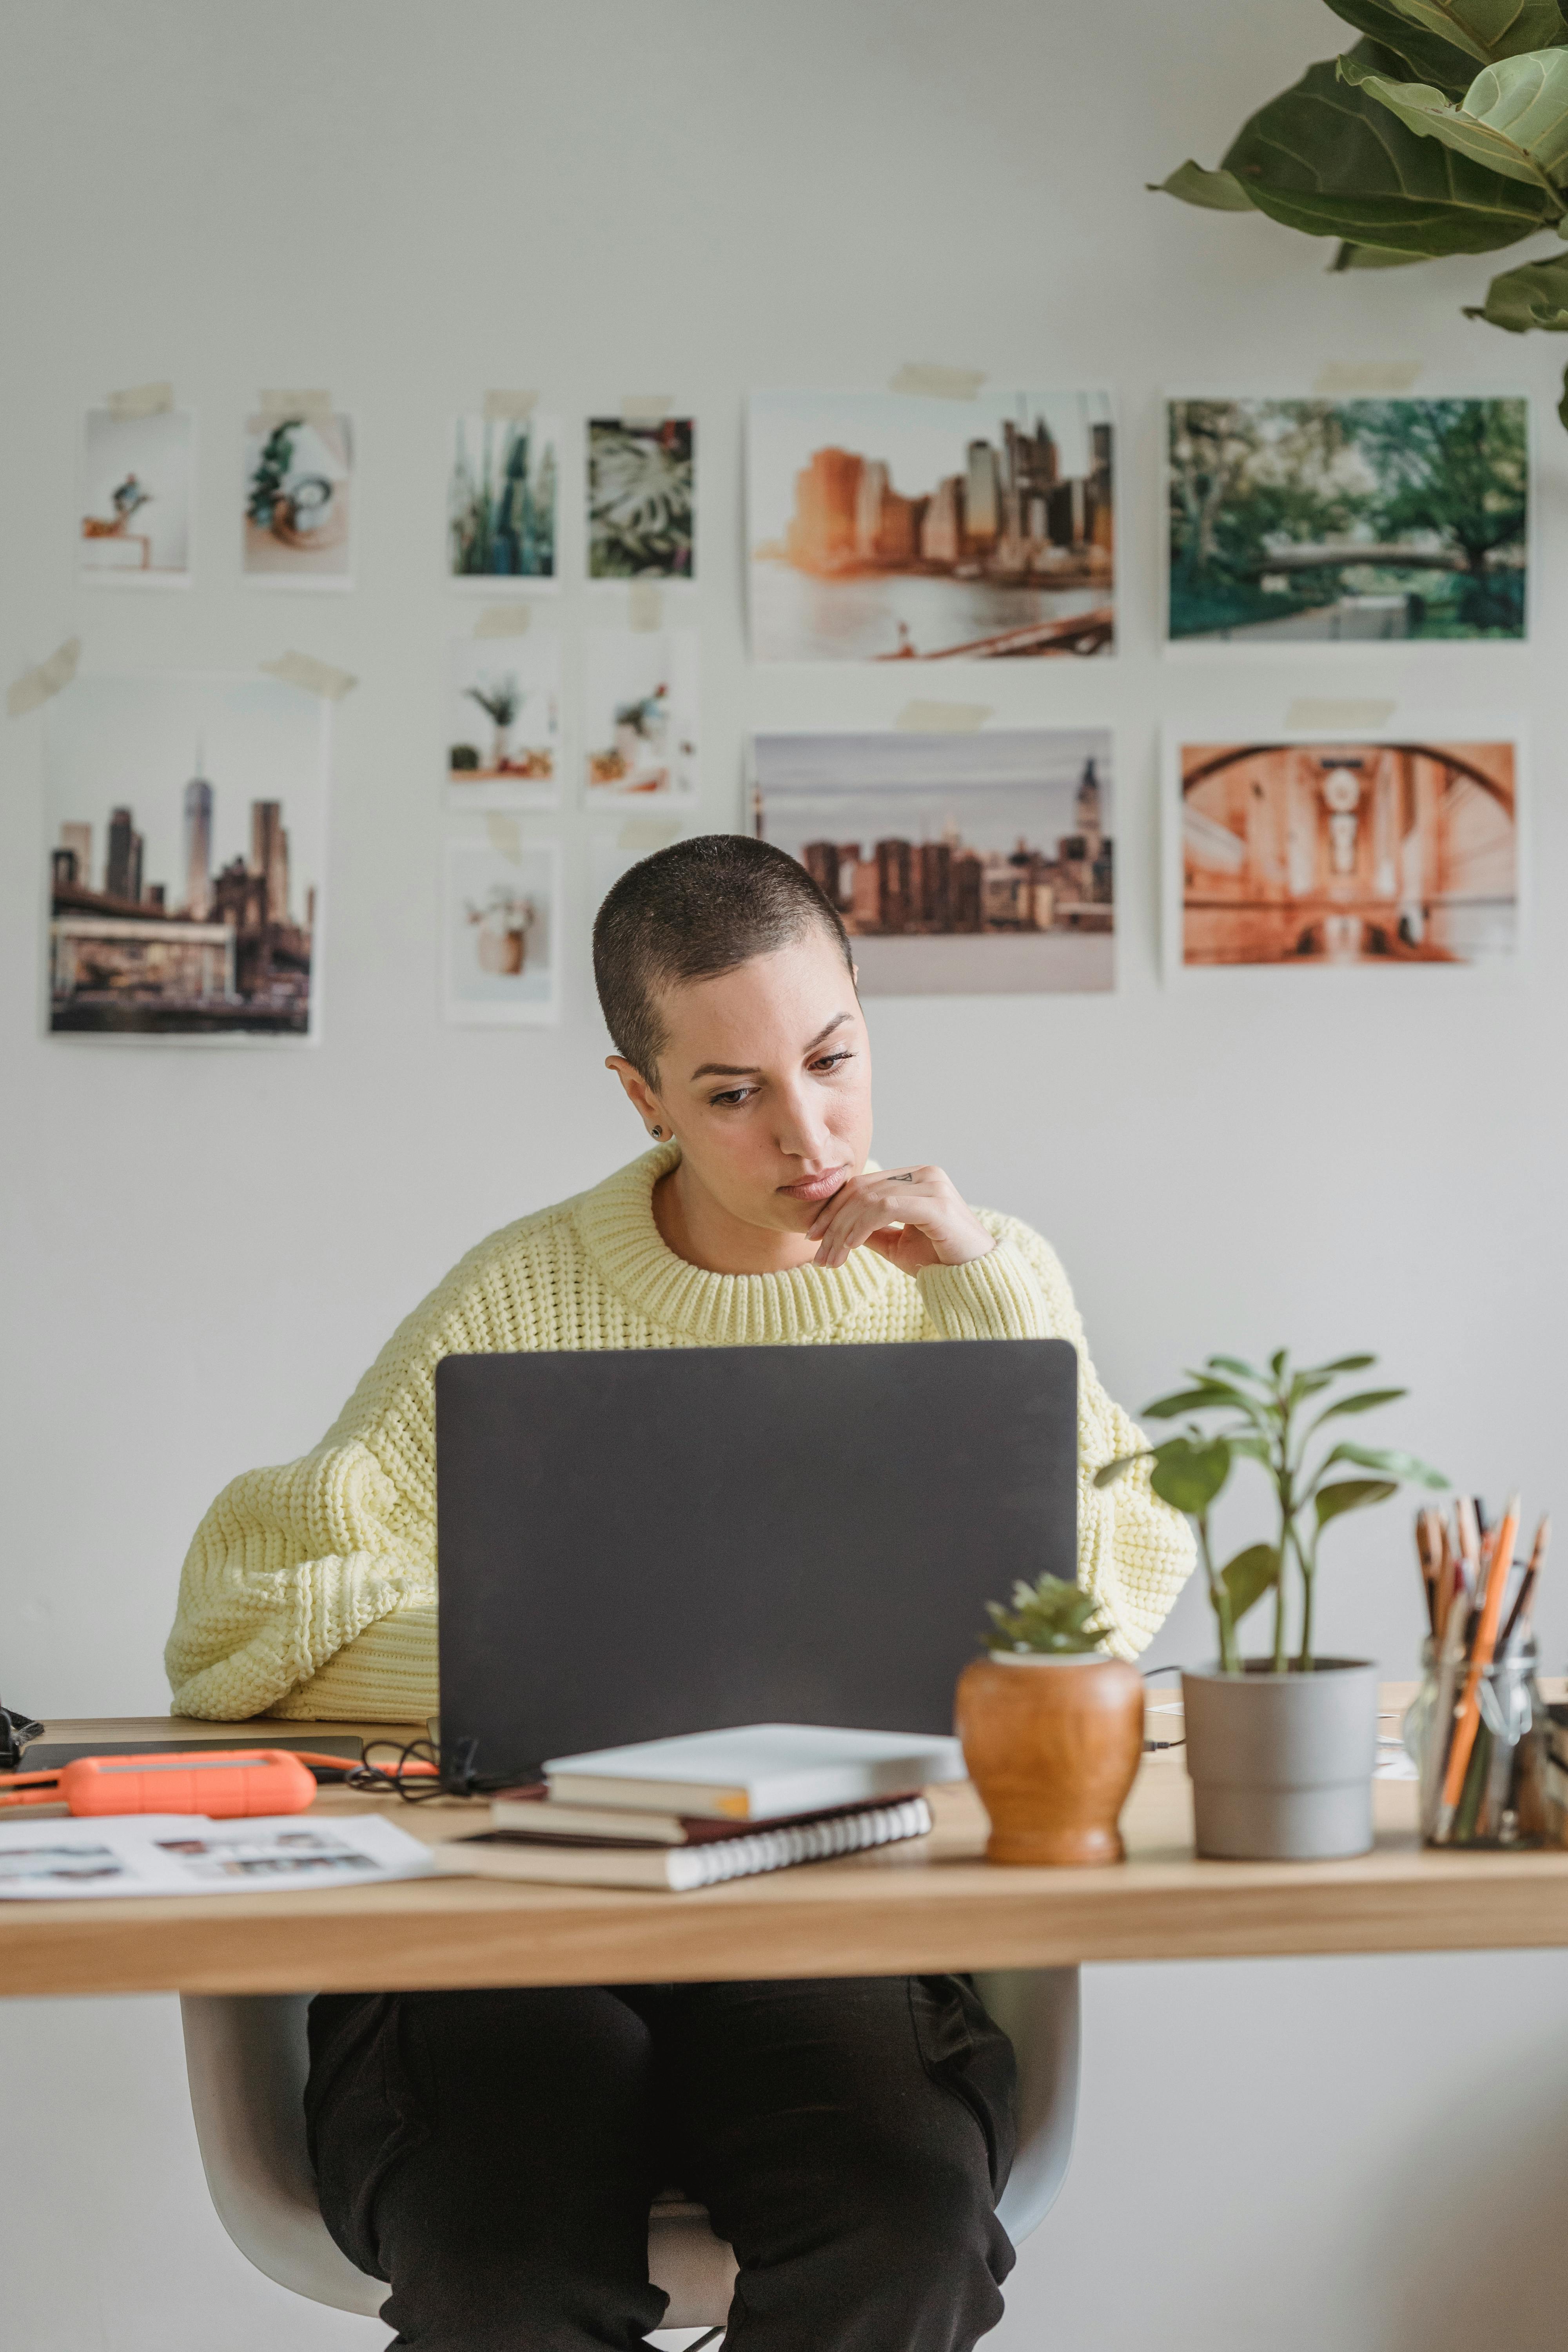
(816, 1188)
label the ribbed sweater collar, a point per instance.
(617, 1226)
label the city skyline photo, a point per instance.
(960, 864)
(890, 526)
(185, 847)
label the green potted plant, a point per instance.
(1052, 1727)
(1280, 1748)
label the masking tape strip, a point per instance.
(645, 408)
(937, 382)
(942, 717)
(1366, 375)
(641, 836)
(509, 407)
(315, 676)
(1312, 714)
(645, 605)
(36, 686)
(309, 405)
(506, 838)
(141, 400)
(503, 620)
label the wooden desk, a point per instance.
(923, 1907)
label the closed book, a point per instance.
(531, 1812)
(760, 1771)
(677, 1870)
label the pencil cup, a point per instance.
(1476, 1736)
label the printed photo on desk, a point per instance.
(890, 526)
(138, 492)
(1347, 522)
(502, 927)
(642, 517)
(503, 500)
(963, 864)
(299, 492)
(186, 844)
(503, 721)
(641, 714)
(1304, 850)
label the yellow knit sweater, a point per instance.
(309, 1590)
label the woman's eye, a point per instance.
(831, 1061)
(734, 1095)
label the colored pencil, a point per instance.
(1501, 1550)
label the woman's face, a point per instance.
(766, 1079)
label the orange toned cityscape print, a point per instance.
(1329, 853)
(885, 527)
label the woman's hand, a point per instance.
(912, 1215)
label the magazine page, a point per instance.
(186, 1853)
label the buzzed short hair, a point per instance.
(692, 911)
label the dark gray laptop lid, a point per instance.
(641, 1542)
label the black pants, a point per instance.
(492, 2155)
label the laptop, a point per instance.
(636, 1543)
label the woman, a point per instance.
(492, 2154)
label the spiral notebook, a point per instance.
(506, 1853)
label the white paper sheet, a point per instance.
(186, 1853)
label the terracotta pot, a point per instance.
(1053, 1746)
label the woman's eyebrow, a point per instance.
(753, 1070)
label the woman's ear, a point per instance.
(640, 1095)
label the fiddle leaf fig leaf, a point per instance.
(1533, 295)
(1246, 1578)
(1325, 157)
(1488, 29)
(1370, 257)
(1218, 191)
(1189, 1473)
(1351, 1494)
(1513, 118)
(1389, 1460)
(1430, 57)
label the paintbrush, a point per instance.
(1426, 1553)
(1519, 1614)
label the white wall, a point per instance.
(409, 204)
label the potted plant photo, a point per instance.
(1052, 1727)
(1280, 1748)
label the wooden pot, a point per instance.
(1053, 1745)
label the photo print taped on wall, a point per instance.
(1311, 852)
(961, 865)
(501, 920)
(642, 499)
(503, 721)
(641, 714)
(888, 526)
(503, 499)
(138, 496)
(298, 501)
(187, 832)
(1347, 522)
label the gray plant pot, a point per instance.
(1281, 1765)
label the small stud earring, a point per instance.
(656, 1132)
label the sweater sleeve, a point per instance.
(1134, 1553)
(289, 1568)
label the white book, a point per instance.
(677, 1870)
(757, 1771)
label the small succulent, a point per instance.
(1050, 1619)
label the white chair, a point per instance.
(246, 2060)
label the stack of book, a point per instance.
(683, 1813)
